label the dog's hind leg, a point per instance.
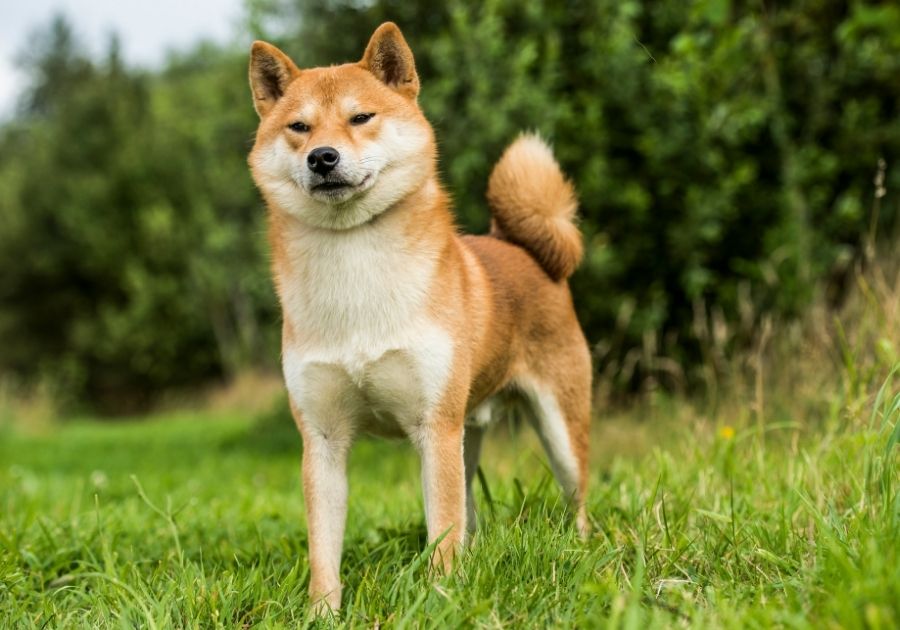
(471, 453)
(561, 417)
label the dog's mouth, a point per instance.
(331, 186)
(337, 186)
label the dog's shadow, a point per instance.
(386, 545)
(384, 558)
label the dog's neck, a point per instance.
(422, 219)
(375, 276)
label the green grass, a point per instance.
(197, 521)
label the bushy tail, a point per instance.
(534, 206)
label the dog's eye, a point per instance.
(361, 119)
(299, 127)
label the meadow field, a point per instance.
(700, 519)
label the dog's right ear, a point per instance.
(271, 71)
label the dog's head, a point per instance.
(338, 146)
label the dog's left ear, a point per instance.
(389, 58)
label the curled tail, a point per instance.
(534, 205)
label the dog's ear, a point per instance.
(271, 71)
(389, 58)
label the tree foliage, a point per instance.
(131, 234)
(724, 154)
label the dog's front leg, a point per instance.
(325, 493)
(440, 444)
(324, 403)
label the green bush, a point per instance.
(724, 155)
(131, 238)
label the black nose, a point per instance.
(323, 159)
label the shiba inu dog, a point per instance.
(393, 322)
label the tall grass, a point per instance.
(772, 501)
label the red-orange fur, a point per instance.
(534, 206)
(503, 299)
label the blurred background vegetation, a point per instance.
(737, 163)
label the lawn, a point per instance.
(700, 519)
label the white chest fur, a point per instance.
(367, 347)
